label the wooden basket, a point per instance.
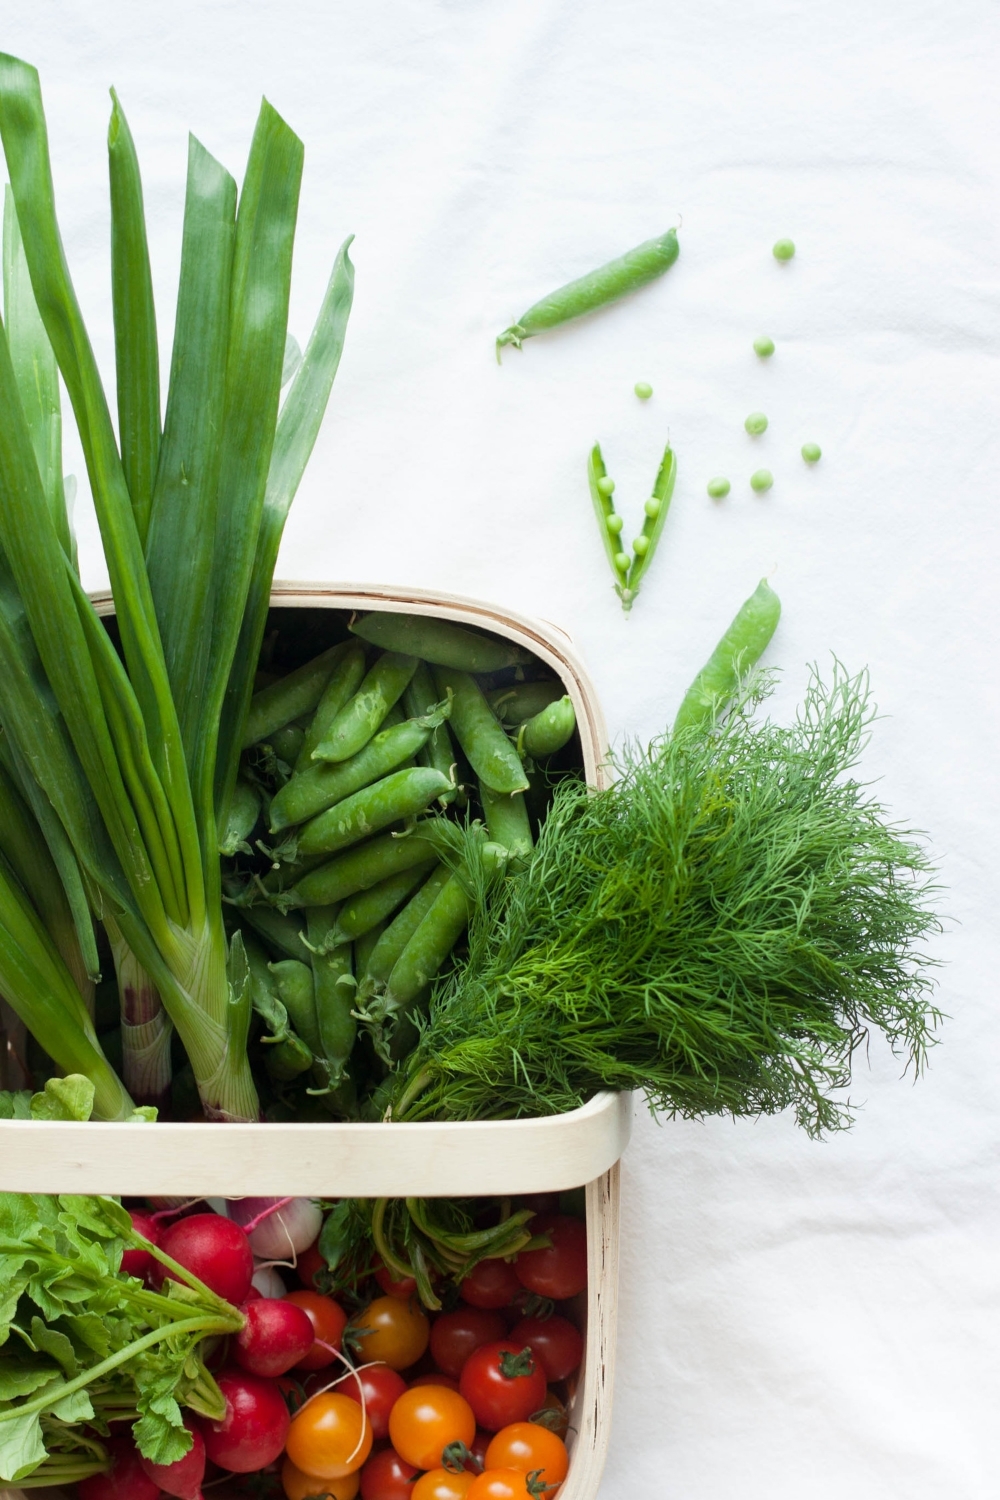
(428, 1159)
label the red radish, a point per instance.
(140, 1262)
(275, 1336)
(252, 1433)
(183, 1477)
(125, 1480)
(212, 1248)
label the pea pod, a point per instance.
(290, 697)
(522, 700)
(608, 520)
(438, 750)
(278, 931)
(440, 642)
(297, 994)
(364, 946)
(363, 714)
(656, 508)
(286, 743)
(395, 936)
(609, 282)
(400, 795)
(490, 752)
(359, 869)
(435, 936)
(286, 1055)
(368, 908)
(507, 821)
(343, 684)
(333, 988)
(323, 783)
(740, 648)
(549, 730)
(241, 819)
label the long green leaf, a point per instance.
(25, 141)
(262, 268)
(35, 371)
(137, 359)
(298, 427)
(179, 549)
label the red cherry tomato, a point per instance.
(328, 1320)
(478, 1447)
(493, 1283)
(309, 1262)
(454, 1335)
(252, 1433)
(503, 1383)
(403, 1289)
(556, 1343)
(560, 1270)
(382, 1388)
(386, 1476)
(433, 1377)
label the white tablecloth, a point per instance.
(797, 1320)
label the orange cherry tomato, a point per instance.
(299, 1486)
(527, 1446)
(399, 1332)
(427, 1419)
(441, 1484)
(329, 1437)
(500, 1484)
(328, 1320)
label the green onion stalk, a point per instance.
(132, 754)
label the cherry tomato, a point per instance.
(309, 1262)
(404, 1289)
(493, 1283)
(328, 1320)
(526, 1446)
(435, 1378)
(426, 1420)
(560, 1270)
(399, 1332)
(386, 1476)
(556, 1417)
(555, 1342)
(329, 1437)
(299, 1486)
(441, 1484)
(503, 1383)
(500, 1484)
(382, 1388)
(478, 1447)
(454, 1336)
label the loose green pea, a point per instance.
(812, 452)
(783, 249)
(652, 508)
(718, 488)
(756, 423)
(622, 561)
(606, 484)
(614, 523)
(761, 480)
(764, 347)
(643, 390)
(640, 546)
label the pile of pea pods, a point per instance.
(339, 855)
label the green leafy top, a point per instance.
(79, 1338)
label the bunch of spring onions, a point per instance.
(117, 763)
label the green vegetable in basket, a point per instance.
(722, 928)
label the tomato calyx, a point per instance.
(513, 1365)
(535, 1306)
(550, 1417)
(535, 1485)
(456, 1458)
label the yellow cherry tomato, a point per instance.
(299, 1486)
(441, 1484)
(329, 1437)
(530, 1448)
(398, 1332)
(427, 1419)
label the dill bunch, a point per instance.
(721, 929)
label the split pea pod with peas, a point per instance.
(609, 282)
(629, 571)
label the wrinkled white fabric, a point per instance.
(797, 1320)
